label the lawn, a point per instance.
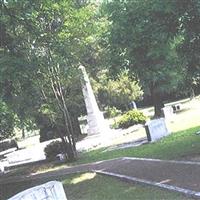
(182, 145)
(89, 186)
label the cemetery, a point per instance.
(99, 100)
(156, 149)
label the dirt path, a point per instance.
(173, 175)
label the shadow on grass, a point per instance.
(89, 186)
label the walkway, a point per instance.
(180, 176)
(115, 139)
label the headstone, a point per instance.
(132, 105)
(61, 156)
(52, 190)
(95, 119)
(1, 167)
(168, 113)
(177, 107)
(156, 129)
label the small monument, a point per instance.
(168, 113)
(52, 190)
(156, 129)
(132, 105)
(1, 167)
(95, 119)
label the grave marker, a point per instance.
(52, 190)
(168, 113)
(156, 129)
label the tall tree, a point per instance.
(189, 18)
(143, 38)
(53, 37)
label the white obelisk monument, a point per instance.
(95, 119)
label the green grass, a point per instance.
(89, 186)
(179, 146)
(182, 145)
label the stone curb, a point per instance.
(63, 172)
(152, 183)
(164, 161)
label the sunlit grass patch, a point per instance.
(81, 178)
(89, 186)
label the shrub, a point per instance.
(53, 149)
(130, 118)
(112, 112)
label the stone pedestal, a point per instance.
(95, 119)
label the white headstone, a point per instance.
(1, 167)
(177, 107)
(156, 129)
(52, 190)
(168, 113)
(132, 105)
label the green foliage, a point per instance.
(43, 45)
(189, 16)
(53, 149)
(112, 112)
(7, 121)
(142, 37)
(130, 118)
(118, 92)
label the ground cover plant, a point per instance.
(90, 186)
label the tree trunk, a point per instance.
(76, 126)
(70, 133)
(64, 144)
(158, 105)
(157, 102)
(192, 94)
(70, 148)
(22, 128)
(23, 133)
(70, 145)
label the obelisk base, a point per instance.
(97, 124)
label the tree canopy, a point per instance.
(42, 45)
(144, 45)
(144, 37)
